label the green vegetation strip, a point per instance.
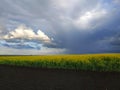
(91, 62)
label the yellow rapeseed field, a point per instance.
(93, 62)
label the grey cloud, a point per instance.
(63, 20)
(114, 44)
(115, 41)
(116, 1)
(25, 45)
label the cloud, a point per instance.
(89, 19)
(21, 45)
(23, 32)
(116, 1)
(65, 4)
(1, 28)
(115, 40)
(25, 37)
(76, 25)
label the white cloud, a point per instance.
(87, 20)
(23, 32)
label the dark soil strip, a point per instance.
(21, 78)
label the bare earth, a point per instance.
(23, 78)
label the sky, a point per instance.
(42, 27)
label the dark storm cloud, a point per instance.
(116, 40)
(79, 26)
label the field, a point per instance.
(88, 62)
(25, 78)
(60, 72)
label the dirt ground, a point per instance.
(23, 78)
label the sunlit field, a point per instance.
(91, 62)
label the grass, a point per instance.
(92, 62)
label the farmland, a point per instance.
(88, 62)
(60, 72)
